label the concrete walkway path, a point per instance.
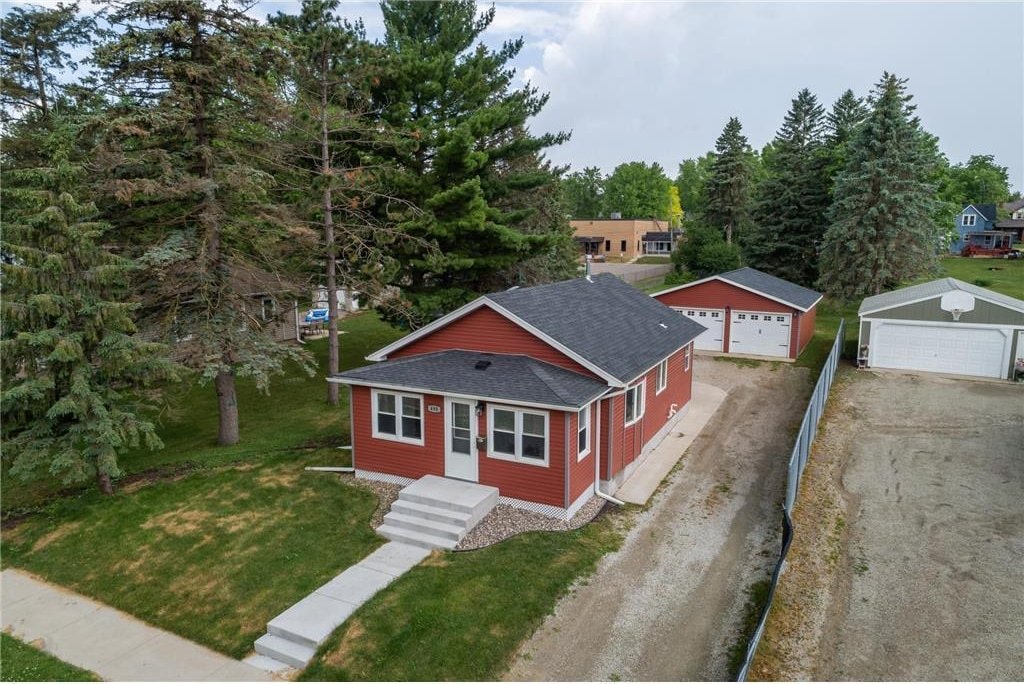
(642, 483)
(114, 645)
(293, 636)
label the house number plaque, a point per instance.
(433, 408)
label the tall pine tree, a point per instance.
(185, 163)
(847, 113)
(793, 198)
(728, 187)
(455, 99)
(78, 383)
(881, 223)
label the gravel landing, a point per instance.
(386, 495)
(505, 521)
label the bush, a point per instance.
(675, 278)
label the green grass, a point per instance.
(652, 259)
(1005, 276)
(461, 616)
(294, 413)
(211, 556)
(652, 285)
(20, 662)
(757, 597)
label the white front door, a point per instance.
(958, 350)
(713, 338)
(759, 333)
(460, 457)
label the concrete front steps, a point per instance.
(436, 513)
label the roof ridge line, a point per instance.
(542, 375)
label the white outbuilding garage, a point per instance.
(944, 326)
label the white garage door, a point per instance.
(756, 332)
(940, 349)
(712, 319)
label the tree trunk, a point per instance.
(728, 233)
(40, 83)
(332, 284)
(103, 482)
(227, 402)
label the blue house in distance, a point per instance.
(973, 219)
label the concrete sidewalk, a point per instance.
(642, 483)
(106, 641)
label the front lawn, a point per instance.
(294, 413)
(212, 556)
(20, 662)
(462, 616)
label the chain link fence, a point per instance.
(797, 463)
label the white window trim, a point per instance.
(970, 220)
(661, 379)
(687, 357)
(398, 417)
(518, 457)
(583, 454)
(642, 393)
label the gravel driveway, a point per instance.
(931, 586)
(666, 606)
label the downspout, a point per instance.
(298, 330)
(565, 455)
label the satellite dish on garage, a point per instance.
(956, 302)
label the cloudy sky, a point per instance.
(656, 81)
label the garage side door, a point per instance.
(756, 332)
(713, 338)
(956, 350)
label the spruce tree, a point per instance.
(34, 46)
(882, 230)
(728, 187)
(847, 113)
(78, 383)
(454, 99)
(184, 161)
(793, 198)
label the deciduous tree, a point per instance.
(582, 193)
(637, 190)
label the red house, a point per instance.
(547, 393)
(747, 311)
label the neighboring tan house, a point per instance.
(1015, 223)
(623, 238)
(547, 393)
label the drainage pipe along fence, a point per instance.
(797, 463)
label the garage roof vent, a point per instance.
(482, 365)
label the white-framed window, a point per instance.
(662, 377)
(741, 317)
(753, 317)
(780, 319)
(398, 417)
(267, 308)
(583, 432)
(716, 314)
(686, 357)
(635, 402)
(517, 435)
(969, 219)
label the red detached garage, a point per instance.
(747, 312)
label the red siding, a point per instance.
(397, 458)
(517, 480)
(806, 328)
(581, 473)
(657, 406)
(488, 331)
(716, 294)
(527, 481)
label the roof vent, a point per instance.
(482, 365)
(663, 325)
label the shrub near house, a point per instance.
(545, 392)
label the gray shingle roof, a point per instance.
(790, 293)
(934, 288)
(508, 377)
(1013, 205)
(986, 210)
(614, 326)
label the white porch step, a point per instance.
(421, 539)
(428, 512)
(284, 650)
(417, 524)
(269, 664)
(453, 495)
